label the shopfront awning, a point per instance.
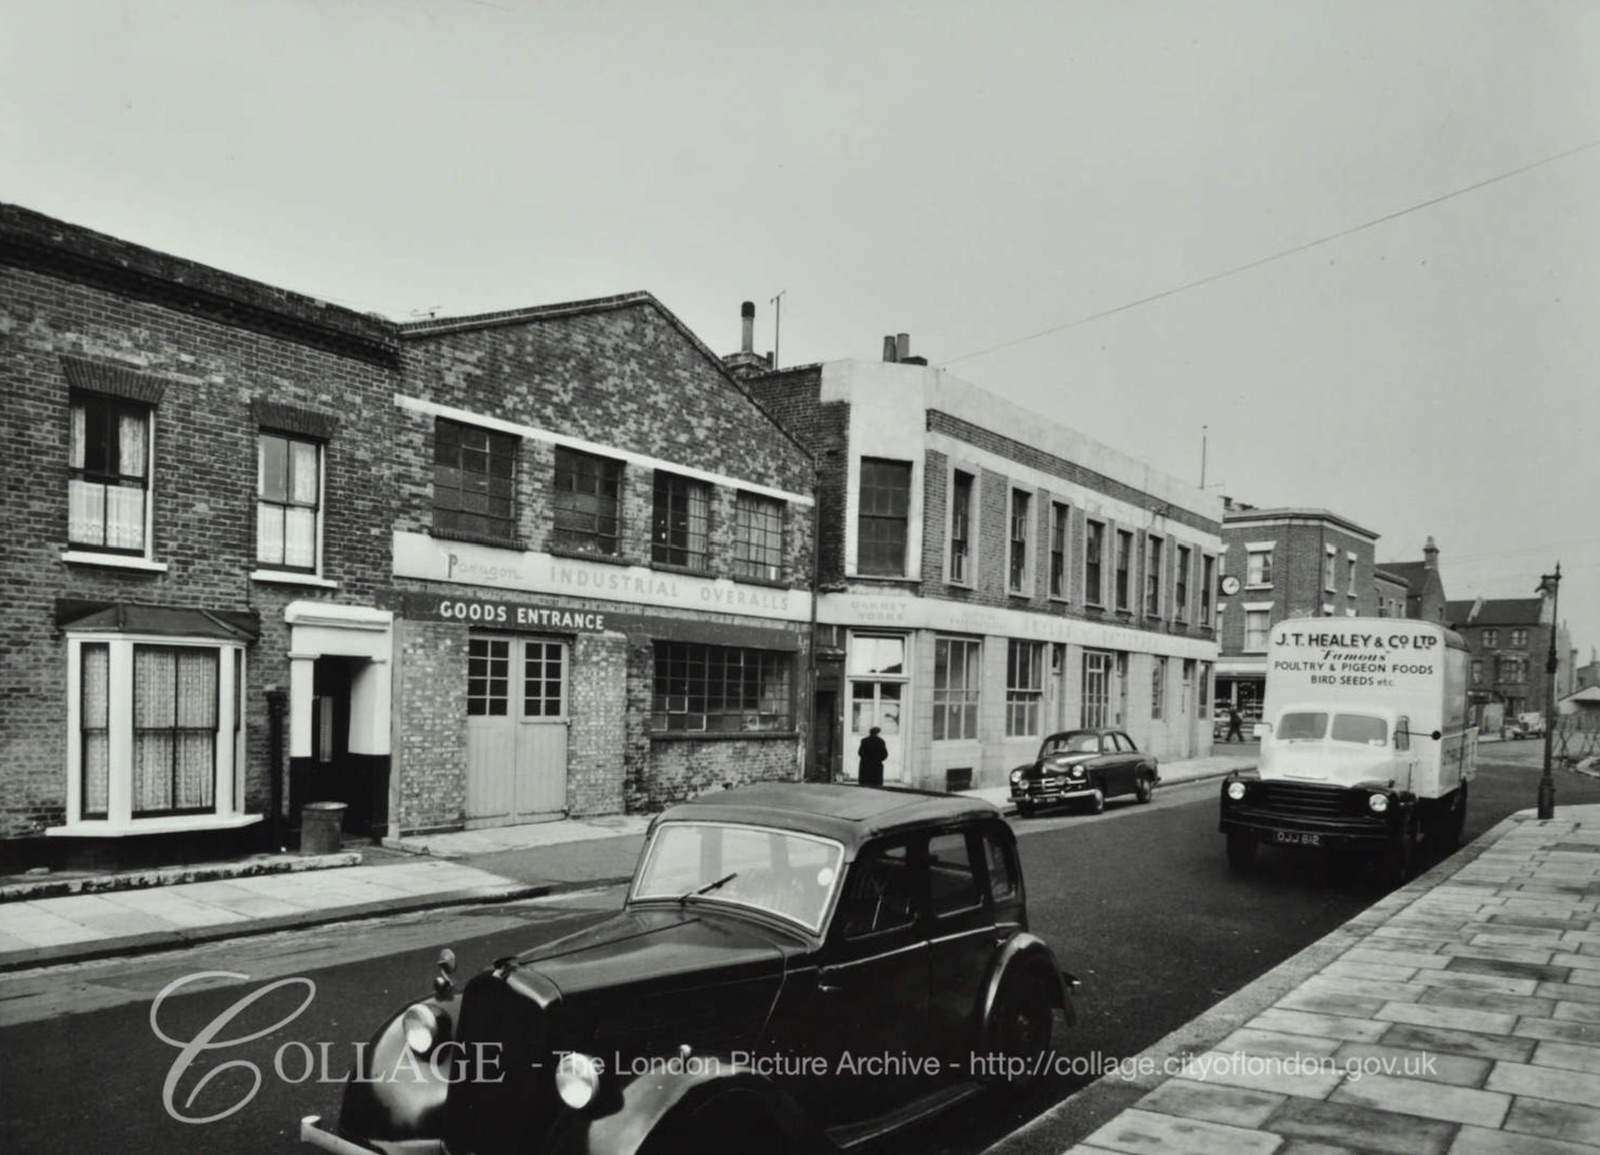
(162, 621)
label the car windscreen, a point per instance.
(1073, 744)
(1300, 726)
(787, 874)
(1360, 728)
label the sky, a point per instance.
(1344, 255)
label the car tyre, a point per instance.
(1021, 1024)
(1400, 856)
(1145, 789)
(1455, 822)
(1241, 850)
(1097, 802)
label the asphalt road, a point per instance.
(1138, 902)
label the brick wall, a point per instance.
(203, 487)
(430, 749)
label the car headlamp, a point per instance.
(577, 1079)
(1378, 803)
(1016, 776)
(1236, 791)
(421, 1027)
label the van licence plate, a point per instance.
(1295, 838)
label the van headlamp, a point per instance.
(1236, 791)
(421, 1027)
(1378, 803)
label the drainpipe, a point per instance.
(277, 716)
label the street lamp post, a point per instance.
(1547, 783)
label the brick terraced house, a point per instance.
(602, 564)
(988, 576)
(194, 511)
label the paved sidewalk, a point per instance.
(105, 916)
(1459, 1015)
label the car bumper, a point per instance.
(1277, 830)
(1034, 794)
(316, 1137)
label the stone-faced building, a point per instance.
(602, 567)
(988, 576)
(194, 510)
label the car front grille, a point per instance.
(513, 1114)
(1301, 800)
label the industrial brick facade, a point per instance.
(568, 591)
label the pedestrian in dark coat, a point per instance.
(1234, 723)
(874, 752)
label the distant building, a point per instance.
(988, 576)
(1587, 676)
(1508, 644)
(1425, 597)
(1390, 592)
(1286, 563)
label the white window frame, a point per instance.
(1350, 570)
(1258, 576)
(1182, 567)
(1244, 641)
(1024, 704)
(145, 562)
(269, 574)
(1019, 585)
(1330, 561)
(1153, 566)
(1209, 568)
(1060, 521)
(1158, 688)
(228, 788)
(970, 558)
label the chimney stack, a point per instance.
(902, 346)
(891, 351)
(747, 361)
(747, 314)
(1430, 554)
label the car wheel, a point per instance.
(1097, 802)
(1456, 821)
(1144, 789)
(1241, 850)
(1020, 1028)
(1400, 856)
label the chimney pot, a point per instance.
(902, 346)
(891, 351)
(747, 316)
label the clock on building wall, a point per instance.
(1230, 585)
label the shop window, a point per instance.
(108, 482)
(587, 501)
(1158, 689)
(956, 678)
(474, 481)
(288, 502)
(757, 537)
(679, 521)
(720, 689)
(885, 510)
(1024, 688)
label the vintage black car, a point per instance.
(1084, 767)
(796, 968)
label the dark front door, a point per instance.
(332, 773)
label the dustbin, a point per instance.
(321, 827)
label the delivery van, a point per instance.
(1365, 743)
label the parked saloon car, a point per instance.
(1084, 766)
(796, 968)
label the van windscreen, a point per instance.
(1293, 727)
(1360, 728)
